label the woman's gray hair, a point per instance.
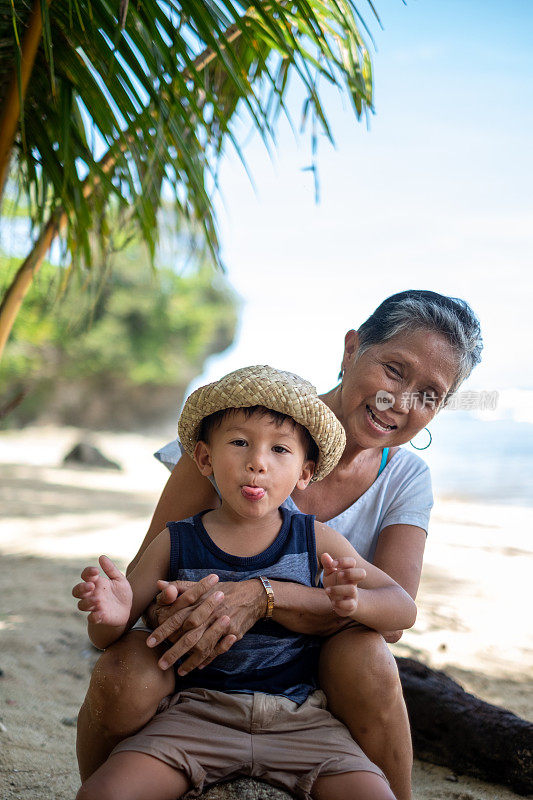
(417, 309)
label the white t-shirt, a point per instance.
(401, 494)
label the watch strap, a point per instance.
(270, 596)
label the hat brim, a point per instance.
(274, 389)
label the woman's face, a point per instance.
(391, 391)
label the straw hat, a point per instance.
(274, 389)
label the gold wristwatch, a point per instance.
(270, 596)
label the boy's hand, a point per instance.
(340, 581)
(107, 597)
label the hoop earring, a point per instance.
(427, 445)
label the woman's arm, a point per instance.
(199, 627)
(378, 601)
(305, 610)
(399, 553)
(186, 493)
(299, 608)
(382, 603)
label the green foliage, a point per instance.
(141, 328)
(123, 80)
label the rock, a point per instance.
(70, 722)
(89, 456)
(245, 789)
(455, 729)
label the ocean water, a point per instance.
(483, 457)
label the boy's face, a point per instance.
(256, 462)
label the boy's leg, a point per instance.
(351, 786)
(125, 690)
(360, 679)
(134, 776)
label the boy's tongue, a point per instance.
(253, 492)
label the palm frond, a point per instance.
(120, 103)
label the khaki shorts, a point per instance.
(214, 736)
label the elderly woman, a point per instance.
(397, 370)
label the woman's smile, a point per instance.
(407, 367)
(378, 422)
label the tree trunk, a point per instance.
(21, 283)
(11, 105)
(455, 729)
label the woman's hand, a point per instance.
(184, 597)
(201, 624)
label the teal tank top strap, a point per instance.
(384, 457)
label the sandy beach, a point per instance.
(471, 623)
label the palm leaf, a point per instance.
(118, 104)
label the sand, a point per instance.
(472, 619)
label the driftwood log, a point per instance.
(450, 727)
(455, 729)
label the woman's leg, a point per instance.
(358, 673)
(134, 776)
(125, 690)
(351, 786)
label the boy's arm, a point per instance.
(380, 602)
(151, 567)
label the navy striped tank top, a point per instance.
(269, 658)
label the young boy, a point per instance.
(254, 710)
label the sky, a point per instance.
(434, 193)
